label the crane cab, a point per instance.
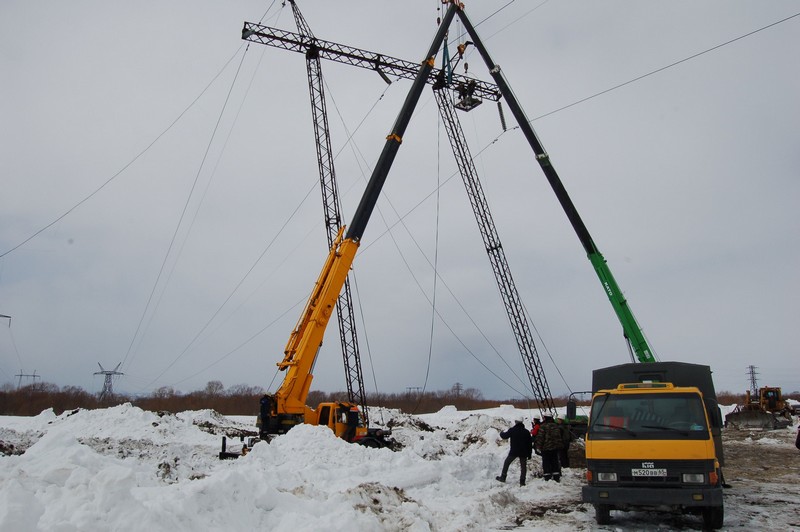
(344, 419)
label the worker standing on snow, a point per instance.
(520, 448)
(548, 442)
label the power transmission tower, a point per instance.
(108, 386)
(751, 371)
(33, 377)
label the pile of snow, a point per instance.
(794, 406)
(124, 469)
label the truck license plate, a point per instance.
(649, 472)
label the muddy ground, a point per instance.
(763, 471)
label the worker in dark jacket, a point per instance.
(520, 448)
(548, 442)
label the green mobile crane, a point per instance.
(633, 333)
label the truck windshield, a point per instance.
(648, 416)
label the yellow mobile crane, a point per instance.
(287, 407)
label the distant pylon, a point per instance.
(33, 377)
(108, 387)
(751, 370)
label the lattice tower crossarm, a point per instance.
(384, 64)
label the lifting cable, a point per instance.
(447, 69)
(435, 255)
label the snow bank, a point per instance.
(126, 469)
(123, 468)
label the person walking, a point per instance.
(520, 448)
(548, 442)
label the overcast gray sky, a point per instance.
(687, 179)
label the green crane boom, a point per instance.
(631, 330)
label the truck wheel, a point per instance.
(602, 514)
(713, 517)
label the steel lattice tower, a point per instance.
(108, 386)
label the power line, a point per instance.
(171, 125)
(656, 71)
(184, 211)
(128, 164)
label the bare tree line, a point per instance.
(243, 399)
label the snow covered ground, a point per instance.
(124, 469)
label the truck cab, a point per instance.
(652, 444)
